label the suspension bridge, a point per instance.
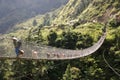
(47, 52)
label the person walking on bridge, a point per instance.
(17, 44)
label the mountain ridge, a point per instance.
(12, 12)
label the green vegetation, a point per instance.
(75, 26)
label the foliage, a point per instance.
(51, 38)
(71, 73)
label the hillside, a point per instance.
(77, 25)
(16, 11)
(75, 12)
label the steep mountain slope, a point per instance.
(88, 10)
(72, 10)
(15, 11)
(77, 12)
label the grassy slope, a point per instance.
(88, 10)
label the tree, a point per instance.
(67, 75)
(34, 23)
(52, 38)
(71, 73)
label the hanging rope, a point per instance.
(110, 66)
